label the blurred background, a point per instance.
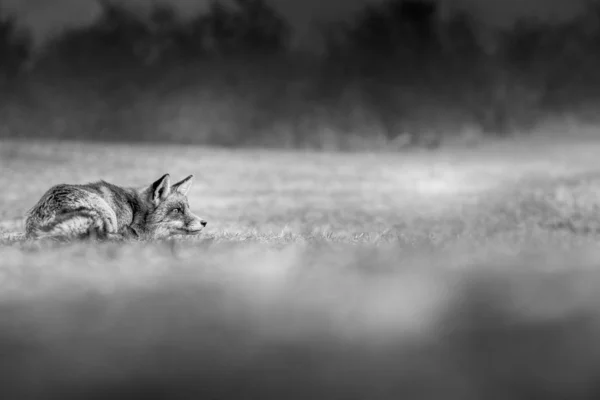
(333, 75)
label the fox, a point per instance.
(106, 211)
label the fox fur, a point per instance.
(106, 211)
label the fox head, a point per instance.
(169, 211)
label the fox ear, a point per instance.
(184, 185)
(160, 189)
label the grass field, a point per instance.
(459, 274)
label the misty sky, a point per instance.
(47, 16)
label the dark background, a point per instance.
(385, 74)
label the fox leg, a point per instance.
(97, 233)
(128, 232)
(107, 231)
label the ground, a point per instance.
(348, 275)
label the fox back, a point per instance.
(104, 210)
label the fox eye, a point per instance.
(177, 210)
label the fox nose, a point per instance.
(203, 223)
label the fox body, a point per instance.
(107, 211)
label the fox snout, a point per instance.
(196, 225)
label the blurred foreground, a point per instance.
(233, 321)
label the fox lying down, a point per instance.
(106, 211)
